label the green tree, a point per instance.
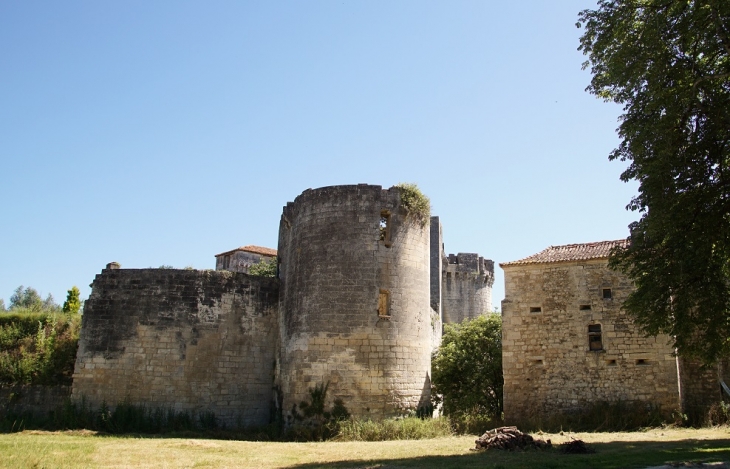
(668, 64)
(73, 302)
(26, 298)
(265, 268)
(467, 367)
(29, 299)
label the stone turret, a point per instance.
(354, 301)
(467, 287)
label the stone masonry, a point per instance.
(567, 343)
(354, 302)
(354, 307)
(197, 341)
(467, 287)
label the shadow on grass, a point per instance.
(614, 455)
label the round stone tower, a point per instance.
(354, 301)
(467, 287)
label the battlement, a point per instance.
(470, 263)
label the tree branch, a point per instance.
(720, 30)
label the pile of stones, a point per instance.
(509, 438)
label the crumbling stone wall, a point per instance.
(467, 287)
(201, 341)
(354, 301)
(549, 366)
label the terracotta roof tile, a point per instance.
(250, 248)
(570, 252)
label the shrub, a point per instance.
(418, 205)
(718, 414)
(38, 348)
(264, 268)
(409, 428)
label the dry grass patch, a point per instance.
(614, 450)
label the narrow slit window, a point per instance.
(642, 362)
(585, 307)
(595, 341)
(536, 309)
(611, 363)
(384, 304)
(607, 294)
(385, 227)
(538, 362)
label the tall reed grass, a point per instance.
(408, 428)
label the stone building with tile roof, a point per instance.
(567, 343)
(241, 259)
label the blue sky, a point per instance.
(164, 132)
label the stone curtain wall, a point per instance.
(548, 367)
(35, 400)
(467, 287)
(201, 341)
(334, 271)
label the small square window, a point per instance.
(535, 309)
(585, 307)
(607, 294)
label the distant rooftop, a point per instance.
(570, 252)
(250, 248)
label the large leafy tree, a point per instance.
(668, 63)
(467, 367)
(29, 299)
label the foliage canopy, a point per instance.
(467, 368)
(265, 268)
(668, 63)
(28, 299)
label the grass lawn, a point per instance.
(613, 450)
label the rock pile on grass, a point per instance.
(509, 438)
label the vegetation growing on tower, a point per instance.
(418, 205)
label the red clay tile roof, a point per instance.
(570, 252)
(250, 248)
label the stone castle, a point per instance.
(361, 293)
